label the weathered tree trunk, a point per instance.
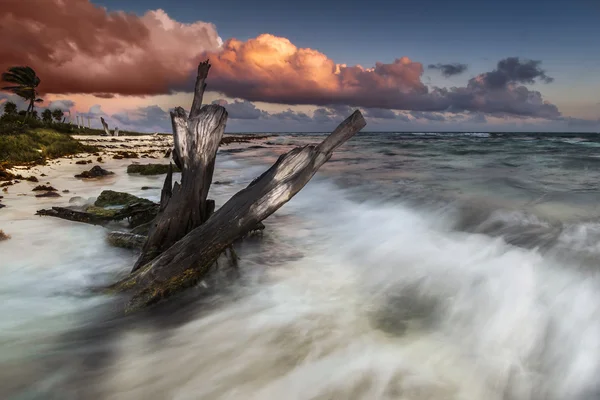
(185, 206)
(105, 126)
(189, 259)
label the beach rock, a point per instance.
(96, 172)
(222, 182)
(149, 187)
(126, 240)
(48, 194)
(99, 159)
(66, 191)
(112, 198)
(40, 188)
(81, 162)
(127, 154)
(5, 175)
(117, 157)
(150, 169)
(32, 179)
(3, 236)
(5, 184)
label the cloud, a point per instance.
(291, 115)
(379, 113)
(515, 70)
(94, 111)
(78, 47)
(271, 69)
(21, 104)
(145, 118)
(431, 116)
(104, 95)
(449, 70)
(242, 109)
(64, 105)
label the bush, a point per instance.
(39, 144)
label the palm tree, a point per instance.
(25, 83)
(10, 108)
(58, 114)
(47, 116)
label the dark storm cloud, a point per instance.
(515, 70)
(449, 70)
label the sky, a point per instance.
(423, 65)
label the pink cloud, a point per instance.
(77, 47)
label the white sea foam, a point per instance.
(379, 301)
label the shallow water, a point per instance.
(412, 266)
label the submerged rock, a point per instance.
(150, 169)
(48, 194)
(40, 188)
(96, 172)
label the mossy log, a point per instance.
(136, 210)
(188, 260)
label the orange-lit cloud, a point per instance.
(271, 69)
(77, 47)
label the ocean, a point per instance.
(412, 266)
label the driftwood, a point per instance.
(106, 130)
(185, 206)
(137, 214)
(188, 260)
(76, 216)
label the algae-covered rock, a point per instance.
(150, 169)
(43, 188)
(96, 172)
(112, 198)
(48, 194)
(126, 240)
(101, 211)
